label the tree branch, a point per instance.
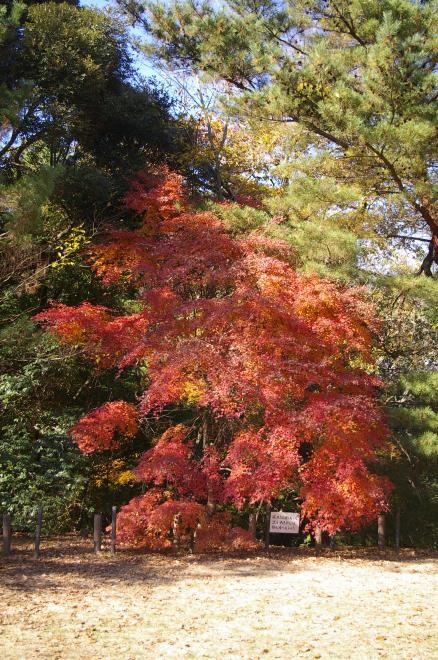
(409, 238)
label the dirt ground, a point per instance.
(71, 604)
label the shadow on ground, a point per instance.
(69, 559)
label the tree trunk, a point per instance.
(39, 526)
(252, 525)
(97, 532)
(397, 529)
(211, 504)
(192, 541)
(7, 534)
(318, 537)
(176, 531)
(381, 530)
(113, 529)
(430, 258)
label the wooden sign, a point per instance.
(284, 523)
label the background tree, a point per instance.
(232, 160)
(75, 120)
(406, 359)
(358, 77)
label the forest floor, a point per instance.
(71, 604)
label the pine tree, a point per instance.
(359, 78)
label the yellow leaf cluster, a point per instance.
(114, 473)
(191, 392)
(75, 241)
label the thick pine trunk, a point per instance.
(430, 258)
(429, 212)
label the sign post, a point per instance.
(113, 529)
(97, 532)
(268, 523)
(39, 526)
(280, 522)
(7, 534)
(284, 523)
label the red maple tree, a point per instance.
(264, 357)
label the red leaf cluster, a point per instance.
(229, 329)
(263, 465)
(103, 427)
(149, 522)
(168, 464)
(103, 336)
(216, 534)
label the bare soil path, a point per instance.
(72, 605)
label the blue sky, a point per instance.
(95, 3)
(148, 69)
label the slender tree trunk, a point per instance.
(176, 531)
(252, 525)
(97, 532)
(218, 179)
(113, 529)
(211, 504)
(7, 534)
(39, 526)
(381, 531)
(318, 537)
(397, 529)
(192, 541)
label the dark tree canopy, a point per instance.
(76, 121)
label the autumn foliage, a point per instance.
(101, 429)
(261, 356)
